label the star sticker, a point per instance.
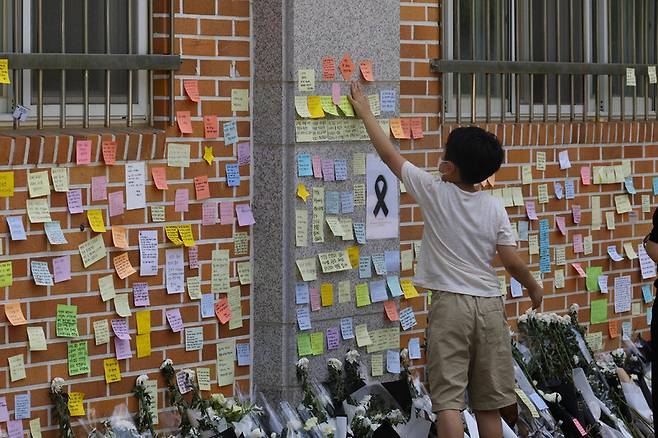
(208, 154)
(302, 192)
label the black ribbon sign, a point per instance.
(381, 195)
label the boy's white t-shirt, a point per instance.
(460, 236)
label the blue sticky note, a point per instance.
(393, 361)
(545, 264)
(393, 283)
(207, 305)
(303, 318)
(569, 189)
(340, 170)
(365, 269)
(538, 401)
(628, 183)
(414, 348)
(387, 100)
(646, 293)
(332, 202)
(407, 318)
(230, 133)
(559, 192)
(16, 228)
(378, 262)
(346, 328)
(378, 291)
(304, 166)
(233, 175)
(626, 330)
(243, 351)
(346, 202)
(392, 260)
(22, 406)
(360, 232)
(655, 186)
(301, 293)
(517, 290)
(523, 230)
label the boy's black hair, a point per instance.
(477, 153)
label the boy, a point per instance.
(468, 342)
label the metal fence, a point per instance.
(39, 62)
(514, 60)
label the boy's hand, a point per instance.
(359, 100)
(537, 296)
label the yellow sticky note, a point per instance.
(6, 184)
(208, 154)
(121, 305)
(75, 404)
(16, 367)
(178, 155)
(630, 251)
(345, 106)
(203, 378)
(226, 362)
(101, 332)
(112, 370)
(157, 213)
(244, 272)
(328, 105)
(315, 107)
(35, 428)
(143, 345)
(542, 193)
(171, 231)
(622, 204)
(408, 289)
(362, 295)
(307, 268)
(362, 336)
(302, 192)
(327, 294)
(4, 71)
(377, 362)
(38, 210)
(239, 99)
(36, 338)
(95, 218)
(6, 274)
(344, 289)
(143, 322)
(60, 176)
(186, 235)
(38, 184)
(92, 250)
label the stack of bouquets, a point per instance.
(563, 390)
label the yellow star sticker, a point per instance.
(208, 154)
(302, 192)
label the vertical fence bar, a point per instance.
(85, 85)
(457, 28)
(572, 102)
(517, 82)
(623, 59)
(609, 55)
(597, 96)
(18, 74)
(129, 108)
(172, 40)
(503, 77)
(584, 55)
(545, 28)
(108, 91)
(531, 106)
(40, 71)
(558, 89)
(149, 14)
(645, 55)
(487, 91)
(62, 90)
(633, 57)
(473, 82)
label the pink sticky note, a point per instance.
(335, 93)
(317, 166)
(98, 188)
(332, 338)
(74, 201)
(209, 213)
(141, 294)
(585, 174)
(244, 153)
(530, 210)
(182, 200)
(579, 269)
(120, 328)
(4, 413)
(201, 187)
(62, 268)
(245, 216)
(193, 257)
(83, 151)
(315, 298)
(575, 209)
(160, 177)
(184, 120)
(226, 213)
(560, 225)
(175, 320)
(328, 170)
(577, 243)
(116, 203)
(122, 348)
(15, 429)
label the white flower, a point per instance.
(256, 433)
(634, 377)
(530, 312)
(566, 320)
(141, 381)
(352, 356)
(360, 411)
(326, 429)
(218, 398)
(335, 363)
(553, 397)
(302, 364)
(544, 318)
(166, 363)
(574, 308)
(310, 423)
(575, 360)
(523, 318)
(57, 385)
(395, 416)
(404, 354)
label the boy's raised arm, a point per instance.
(517, 269)
(387, 152)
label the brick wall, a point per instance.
(588, 144)
(213, 39)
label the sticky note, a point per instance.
(143, 344)
(191, 87)
(109, 152)
(121, 305)
(599, 311)
(78, 358)
(14, 313)
(112, 370)
(38, 210)
(75, 404)
(92, 250)
(328, 68)
(66, 322)
(346, 67)
(593, 274)
(83, 151)
(184, 120)
(306, 80)
(362, 335)
(101, 332)
(16, 367)
(225, 362)
(193, 338)
(178, 155)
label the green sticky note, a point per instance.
(592, 282)
(78, 358)
(317, 343)
(304, 344)
(67, 321)
(599, 311)
(362, 295)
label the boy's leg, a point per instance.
(449, 424)
(489, 424)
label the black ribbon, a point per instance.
(381, 195)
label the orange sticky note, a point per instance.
(192, 89)
(160, 177)
(406, 128)
(223, 310)
(396, 128)
(109, 152)
(613, 328)
(391, 310)
(119, 236)
(14, 313)
(346, 67)
(122, 266)
(184, 120)
(83, 152)
(201, 187)
(210, 127)
(416, 128)
(366, 70)
(328, 68)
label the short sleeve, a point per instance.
(417, 182)
(505, 235)
(653, 236)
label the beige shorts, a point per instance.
(469, 349)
